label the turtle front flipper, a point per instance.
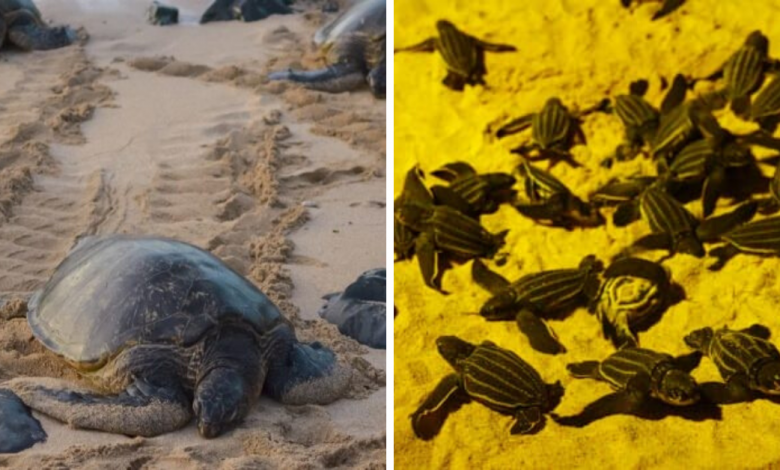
(19, 429)
(309, 374)
(667, 7)
(622, 402)
(336, 78)
(142, 410)
(584, 370)
(429, 45)
(735, 391)
(541, 337)
(446, 398)
(495, 47)
(28, 33)
(487, 279)
(430, 262)
(377, 79)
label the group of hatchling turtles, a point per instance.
(696, 159)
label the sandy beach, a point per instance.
(173, 131)
(581, 52)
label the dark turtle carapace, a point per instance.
(493, 376)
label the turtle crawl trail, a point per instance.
(285, 185)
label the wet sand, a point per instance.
(173, 131)
(581, 52)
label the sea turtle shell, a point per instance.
(115, 291)
(366, 16)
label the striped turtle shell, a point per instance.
(115, 291)
(619, 368)
(501, 380)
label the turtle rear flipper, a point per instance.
(20, 430)
(142, 410)
(446, 398)
(30, 34)
(309, 374)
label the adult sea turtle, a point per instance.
(22, 25)
(162, 330)
(354, 50)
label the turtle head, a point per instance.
(699, 339)
(454, 350)
(500, 307)
(222, 399)
(678, 388)
(768, 378)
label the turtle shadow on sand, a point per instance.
(172, 333)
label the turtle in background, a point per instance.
(21, 24)
(164, 330)
(245, 10)
(360, 311)
(353, 46)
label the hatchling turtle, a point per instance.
(633, 292)
(554, 130)
(21, 24)
(463, 54)
(18, 428)
(445, 235)
(638, 377)
(164, 330)
(245, 10)
(536, 295)
(549, 202)
(746, 361)
(360, 310)
(743, 72)
(473, 194)
(354, 50)
(493, 376)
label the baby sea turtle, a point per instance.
(493, 376)
(633, 292)
(18, 428)
(743, 72)
(550, 202)
(463, 54)
(543, 294)
(675, 229)
(444, 235)
(554, 130)
(746, 361)
(638, 375)
(245, 10)
(414, 190)
(164, 330)
(759, 237)
(472, 193)
(360, 311)
(354, 50)
(21, 25)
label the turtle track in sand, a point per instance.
(40, 196)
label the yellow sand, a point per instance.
(580, 51)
